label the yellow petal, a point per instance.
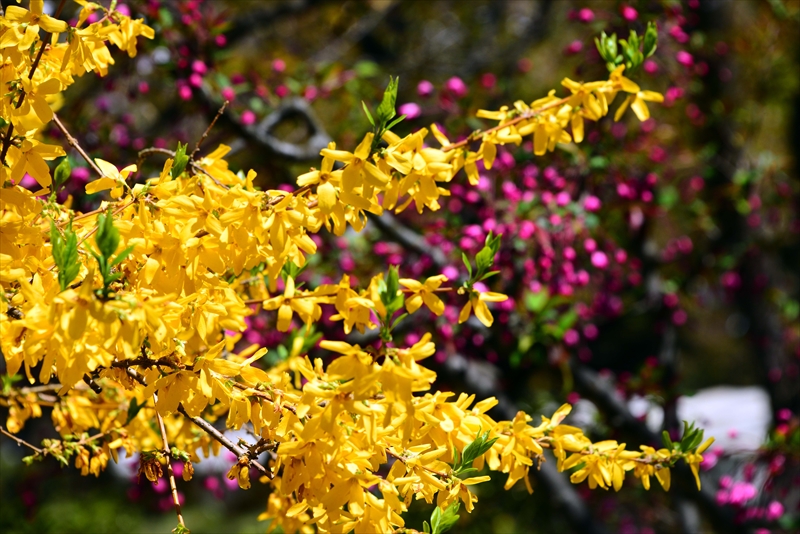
(663, 476)
(577, 127)
(38, 169)
(326, 194)
(362, 150)
(100, 185)
(482, 313)
(464, 315)
(651, 96)
(284, 317)
(413, 303)
(489, 153)
(706, 444)
(623, 107)
(475, 480)
(640, 108)
(108, 168)
(433, 302)
(437, 133)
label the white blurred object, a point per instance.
(737, 417)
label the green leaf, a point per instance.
(395, 122)
(386, 111)
(8, 382)
(369, 115)
(180, 161)
(489, 274)
(426, 528)
(392, 285)
(62, 173)
(366, 69)
(394, 324)
(65, 253)
(122, 255)
(566, 320)
(476, 449)
(650, 39)
(444, 521)
(467, 263)
(536, 302)
(107, 236)
(667, 441)
(466, 472)
(484, 259)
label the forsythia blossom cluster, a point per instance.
(131, 312)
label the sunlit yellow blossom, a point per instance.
(424, 292)
(477, 302)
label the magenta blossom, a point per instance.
(228, 93)
(199, 67)
(629, 13)
(456, 87)
(248, 118)
(599, 259)
(425, 88)
(591, 203)
(684, 58)
(410, 109)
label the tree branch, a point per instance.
(171, 475)
(74, 144)
(209, 429)
(19, 441)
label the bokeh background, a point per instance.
(654, 270)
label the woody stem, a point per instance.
(530, 114)
(176, 501)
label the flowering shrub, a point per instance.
(137, 307)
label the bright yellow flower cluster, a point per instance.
(146, 327)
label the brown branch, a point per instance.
(147, 362)
(19, 441)
(115, 212)
(10, 131)
(170, 473)
(209, 429)
(530, 114)
(192, 164)
(205, 134)
(74, 144)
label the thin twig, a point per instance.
(10, 131)
(209, 429)
(19, 441)
(115, 212)
(170, 474)
(205, 134)
(530, 114)
(74, 143)
(148, 362)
